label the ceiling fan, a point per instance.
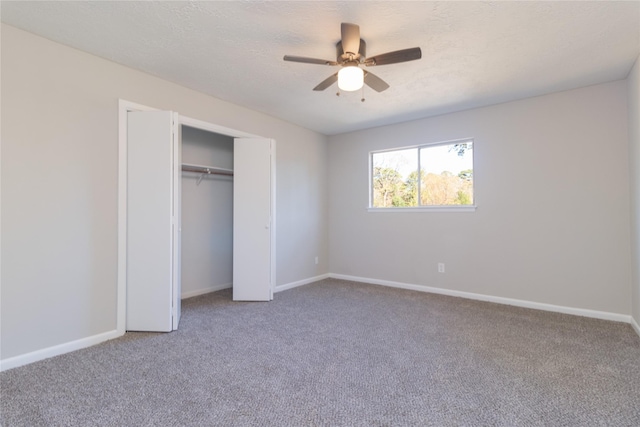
(351, 53)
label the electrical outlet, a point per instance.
(441, 267)
(316, 260)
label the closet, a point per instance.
(200, 216)
(207, 212)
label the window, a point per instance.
(434, 175)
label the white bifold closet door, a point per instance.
(153, 218)
(253, 219)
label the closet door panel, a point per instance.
(149, 221)
(252, 219)
(176, 191)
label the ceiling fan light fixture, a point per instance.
(350, 78)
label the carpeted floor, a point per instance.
(338, 353)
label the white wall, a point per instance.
(59, 187)
(633, 82)
(551, 185)
(207, 214)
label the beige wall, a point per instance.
(60, 177)
(633, 82)
(552, 189)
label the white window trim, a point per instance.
(447, 208)
(433, 209)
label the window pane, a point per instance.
(446, 174)
(395, 178)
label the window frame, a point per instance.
(422, 208)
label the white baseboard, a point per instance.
(635, 326)
(488, 298)
(45, 353)
(292, 285)
(206, 290)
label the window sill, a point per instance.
(470, 208)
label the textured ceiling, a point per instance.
(473, 53)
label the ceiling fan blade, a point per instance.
(350, 38)
(327, 82)
(375, 82)
(403, 55)
(309, 60)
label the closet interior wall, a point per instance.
(207, 214)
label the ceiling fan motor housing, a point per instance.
(342, 57)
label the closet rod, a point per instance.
(209, 170)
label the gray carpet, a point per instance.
(338, 353)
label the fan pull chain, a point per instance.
(362, 100)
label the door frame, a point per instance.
(124, 107)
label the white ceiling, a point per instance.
(473, 53)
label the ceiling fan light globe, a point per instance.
(350, 78)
